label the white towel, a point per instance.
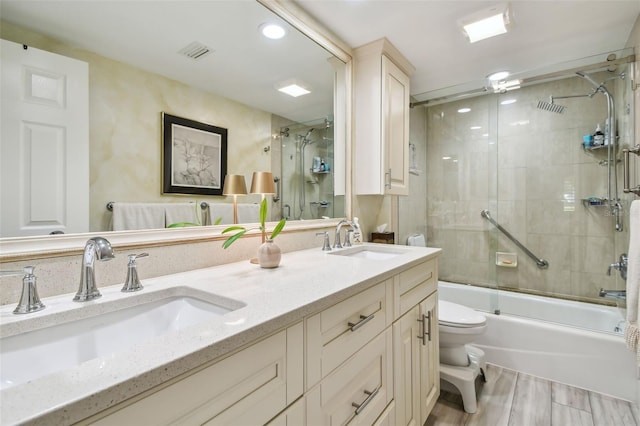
(128, 216)
(248, 213)
(632, 333)
(180, 212)
(222, 211)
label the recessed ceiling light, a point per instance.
(272, 31)
(497, 76)
(508, 102)
(486, 23)
(294, 90)
(463, 110)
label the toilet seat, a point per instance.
(459, 316)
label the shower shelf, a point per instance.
(595, 202)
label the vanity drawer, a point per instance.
(357, 392)
(336, 333)
(249, 387)
(414, 285)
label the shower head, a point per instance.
(550, 106)
(309, 132)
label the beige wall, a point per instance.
(125, 128)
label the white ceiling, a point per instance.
(544, 33)
(245, 66)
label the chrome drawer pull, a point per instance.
(360, 407)
(426, 329)
(363, 321)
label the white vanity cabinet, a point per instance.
(416, 344)
(367, 358)
(381, 121)
(249, 387)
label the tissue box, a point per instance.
(382, 237)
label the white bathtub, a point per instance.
(564, 341)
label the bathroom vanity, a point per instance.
(326, 338)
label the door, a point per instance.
(395, 132)
(44, 143)
(429, 356)
(406, 365)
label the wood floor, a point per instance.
(510, 398)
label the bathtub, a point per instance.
(579, 344)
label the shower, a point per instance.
(301, 144)
(613, 201)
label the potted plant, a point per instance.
(269, 253)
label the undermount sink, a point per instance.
(370, 252)
(30, 355)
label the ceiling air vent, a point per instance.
(195, 51)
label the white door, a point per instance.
(44, 142)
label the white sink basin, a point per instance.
(370, 252)
(33, 354)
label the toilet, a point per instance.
(460, 362)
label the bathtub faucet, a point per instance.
(613, 294)
(621, 266)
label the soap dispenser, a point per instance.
(357, 232)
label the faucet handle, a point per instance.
(132, 282)
(29, 299)
(326, 244)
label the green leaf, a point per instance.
(233, 238)
(182, 224)
(278, 228)
(234, 228)
(263, 212)
(218, 220)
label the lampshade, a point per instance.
(262, 183)
(234, 185)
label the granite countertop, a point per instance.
(306, 282)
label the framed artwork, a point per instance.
(194, 157)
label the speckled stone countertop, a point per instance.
(306, 282)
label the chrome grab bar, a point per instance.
(276, 197)
(542, 264)
(627, 185)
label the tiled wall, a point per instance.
(527, 166)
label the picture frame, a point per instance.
(194, 156)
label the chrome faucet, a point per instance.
(621, 266)
(613, 294)
(132, 283)
(97, 248)
(29, 299)
(336, 241)
(326, 244)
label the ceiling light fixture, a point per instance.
(272, 31)
(294, 90)
(463, 110)
(487, 23)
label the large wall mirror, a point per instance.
(206, 61)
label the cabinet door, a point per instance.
(406, 367)
(395, 128)
(429, 356)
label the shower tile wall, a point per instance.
(534, 162)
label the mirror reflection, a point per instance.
(203, 61)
